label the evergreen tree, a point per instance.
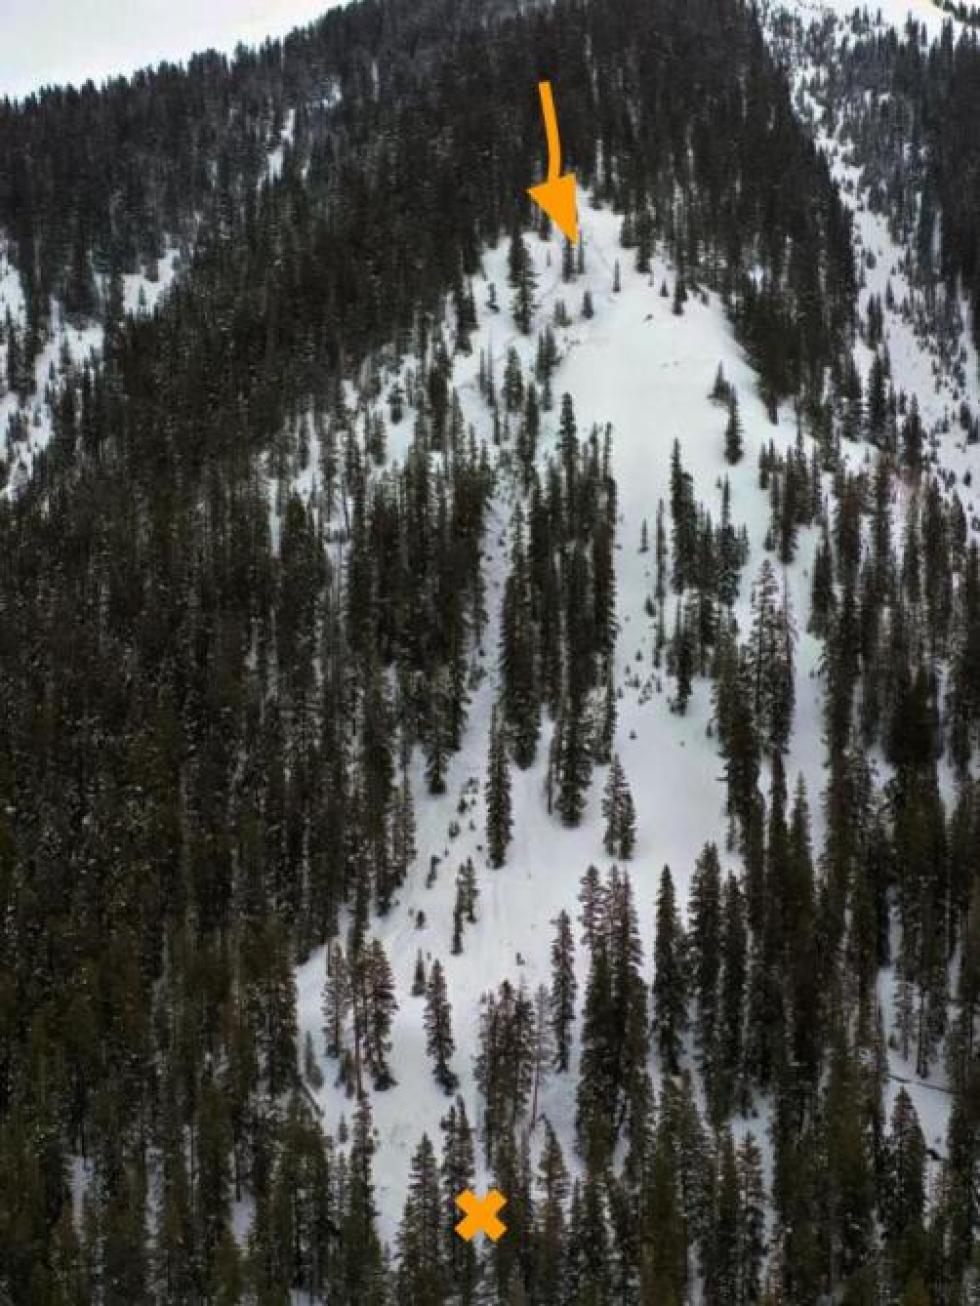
(468, 890)
(683, 514)
(336, 1000)
(619, 814)
(513, 382)
(706, 960)
(664, 1269)
(770, 660)
(457, 1174)
(751, 1220)
(669, 978)
(904, 1192)
(361, 1259)
(733, 432)
(498, 797)
(614, 1025)
(438, 735)
(518, 662)
(440, 1044)
(605, 731)
(422, 1275)
(550, 1233)
(374, 1006)
(523, 280)
(683, 653)
(505, 1062)
(592, 896)
(563, 989)
(721, 1257)
(403, 846)
(573, 762)
(568, 443)
(567, 261)
(456, 946)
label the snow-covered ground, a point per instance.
(917, 369)
(78, 344)
(896, 13)
(141, 295)
(648, 373)
(19, 455)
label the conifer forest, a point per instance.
(485, 711)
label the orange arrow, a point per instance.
(556, 195)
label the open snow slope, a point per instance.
(893, 12)
(939, 383)
(648, 373)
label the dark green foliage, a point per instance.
(619, 814)
(520, 675)
(504, 1067)
(733, 432)
(670, 980)
(337, 1000)
(904, 1194)
(614, 1023)
(438, 1028)
(457, 1174)
(523, 279)
(374, 1004)
(207, 725)
(573, 762)
(564, 987)
(499, 820)
(705, 916)
(422, 1271)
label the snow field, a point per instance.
(648, 373)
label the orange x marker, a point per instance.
(481, 1215)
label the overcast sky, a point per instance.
(48, 41)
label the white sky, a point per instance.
(51, 41)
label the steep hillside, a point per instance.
(475, 711)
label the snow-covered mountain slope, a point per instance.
(25, 430)
(941, 377)
(895, 13)
(641, 370)
(919, 364)
(648, 373)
